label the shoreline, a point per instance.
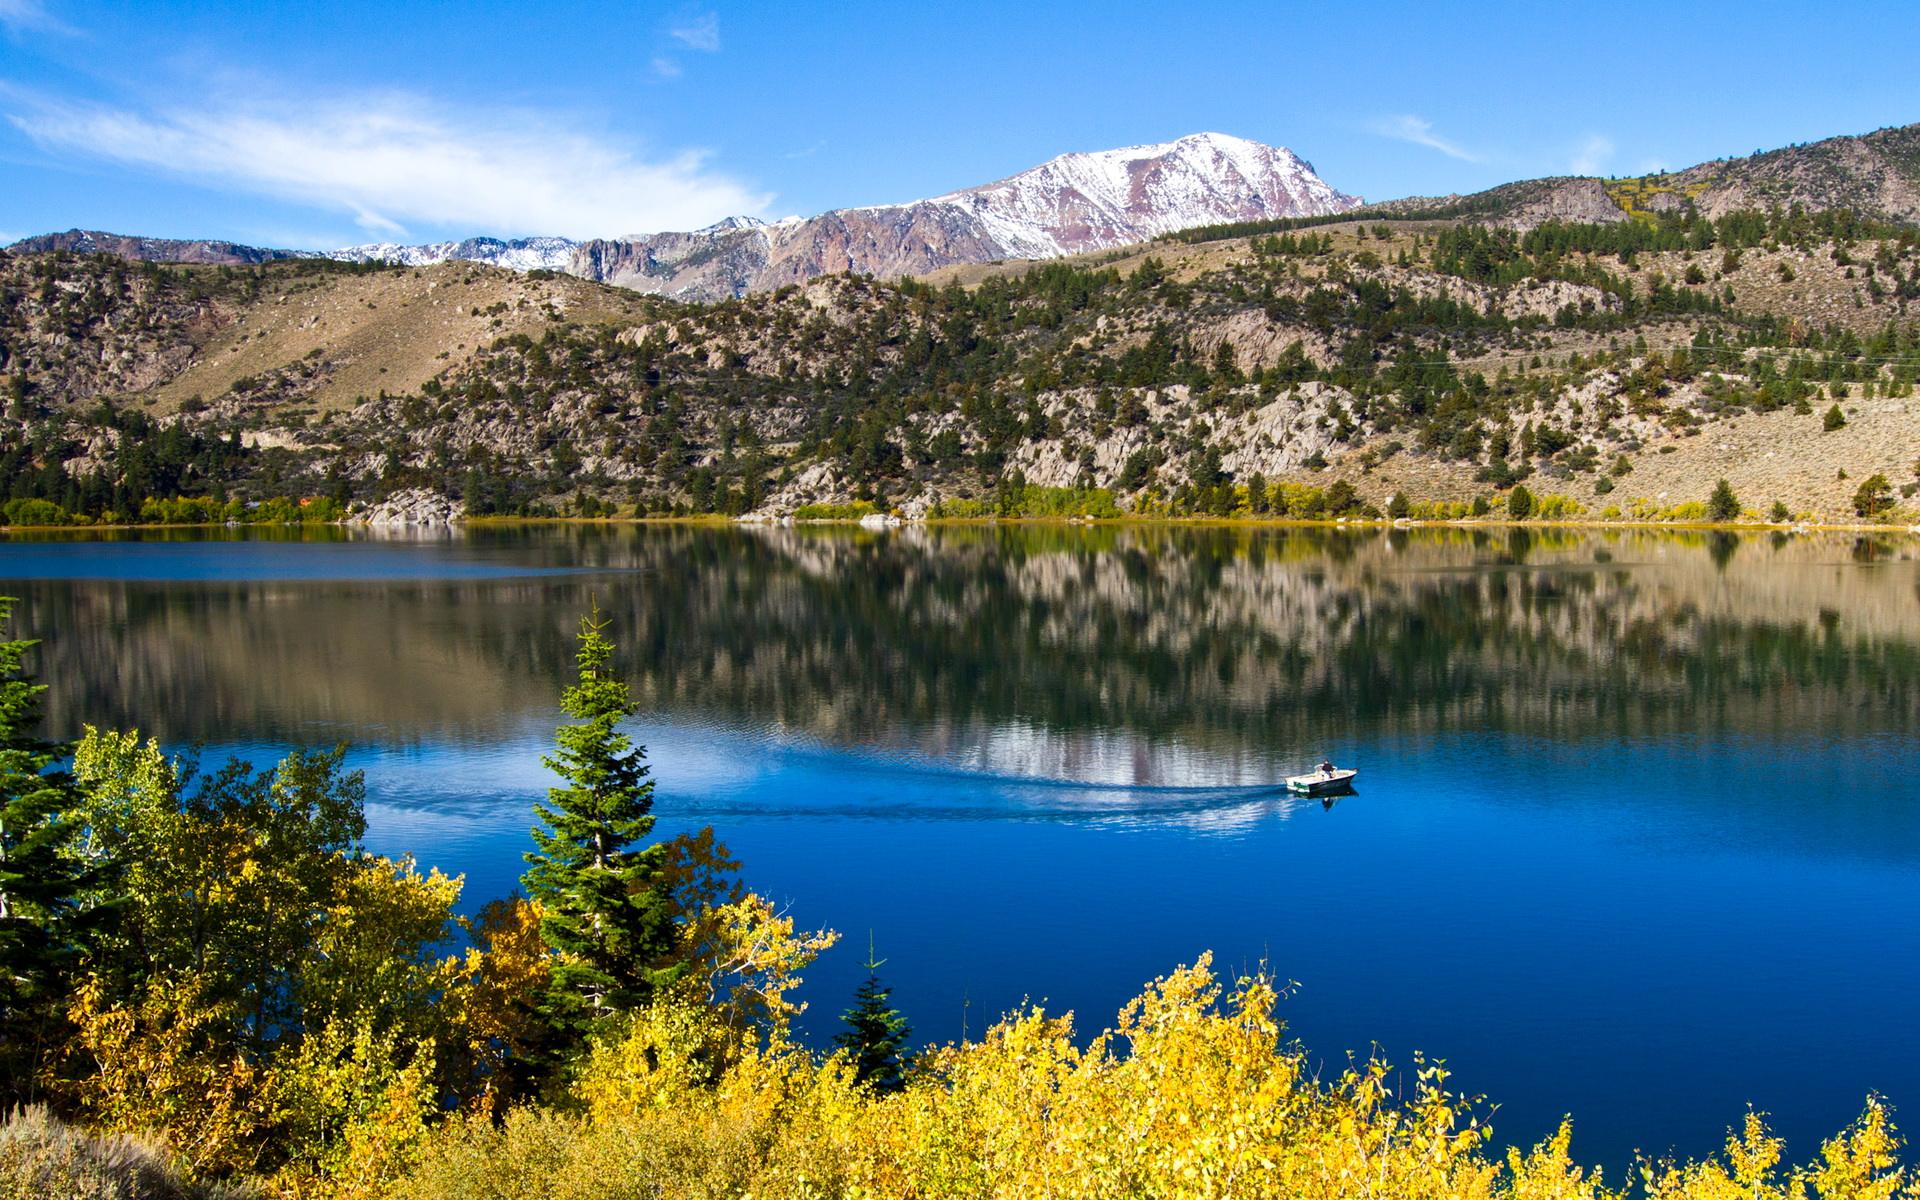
(716, 519)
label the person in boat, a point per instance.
(1326, 766)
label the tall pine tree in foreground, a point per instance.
(876, 1033)
(604, 907)
(40, 882)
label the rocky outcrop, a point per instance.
(1575, 201)
(412, 508)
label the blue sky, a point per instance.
(323, 124)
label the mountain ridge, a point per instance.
(1069, 204)
(1874, 175)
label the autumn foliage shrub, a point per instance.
(1194, 1093)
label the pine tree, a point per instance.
(1874, 496)
(40, 882)
(604, 906)
(1723, 505)
(876, 1033)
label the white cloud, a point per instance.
(1406, 127)
(19, 15)
(393, 159)
(665, 67)
(700, 33)
(1592, 156)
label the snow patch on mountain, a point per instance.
(1107, 198)
(517, 254)
(1067, 205)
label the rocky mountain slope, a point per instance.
(1616, 368)
(1070, 204)
(1875, 176)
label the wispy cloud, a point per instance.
(393, 159)
(700, 32)
(18, 16)
(1406, 127)
(1592, 156)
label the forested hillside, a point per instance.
(1612, 369)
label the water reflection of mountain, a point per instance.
(1221, 641)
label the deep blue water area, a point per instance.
(1636, 838)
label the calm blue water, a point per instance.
(1637, 837)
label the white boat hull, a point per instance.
(1322, 783)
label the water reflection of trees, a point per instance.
(1219, 636)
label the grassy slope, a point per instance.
(390, 332)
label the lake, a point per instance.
(1637, 833)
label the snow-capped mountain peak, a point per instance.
(1095, 200)
(1103, 198)
(729, 224)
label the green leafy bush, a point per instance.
(35, 512)
(853, 510)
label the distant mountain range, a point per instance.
(1103, 200)
(1070, 204)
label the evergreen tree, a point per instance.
(1723, 505)
(1519, 503)
(1874, 496)
(41, 883)
(605, 911)
(876, 1032)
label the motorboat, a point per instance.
(1325, 780)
